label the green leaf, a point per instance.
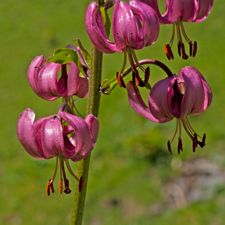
(106, 20)
(84, 52)
(66, 55)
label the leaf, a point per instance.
(66, 55)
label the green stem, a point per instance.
(93, 108)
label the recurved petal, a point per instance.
(160, 99)
(181, 10)
(124, 26)
(73, 80)
(82, 90)
(205, 7)
(93, 124)
(138, 104)
(32, 73)
(149, 18)
(27, 135)
(96, 30)
(194, 93)
(53, 140)
(47, 81)
(81, 143)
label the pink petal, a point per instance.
(82, 143)
(194, 93)
(32, 73)
(47, 81)
(205, 7)
(160, 99)
(26, 134)
(53, 140)
(184, 10)
(139, 106)
(82, 90)
(124, 26)
(149, 19)
(96, 29)
(93, 124)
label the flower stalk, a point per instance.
(92, 107)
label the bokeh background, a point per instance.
(133, 179)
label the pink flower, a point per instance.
(176, 96)
(134, 26)
(177, 12)
(44, 82)
(64, 136)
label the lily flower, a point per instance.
(134, 26)
(64, 136)
(177, 12)
(44, 82)
(176, 96)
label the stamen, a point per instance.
(136, 60)
(120, 80)
(191, 48)
(169, 147)
(147, 74)
(138, 80)
(179, 52)
(195, 49)
(168, 51)
(51, 186)
(67, 190)
(70, 170)
(48, 187)
(124, 61)
(81, 183)
(184, 55)
(180, 146)
(195, 143)
(60, 186)
(202, 144)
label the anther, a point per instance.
(169, 147)
(120, 81)
(147, 74)
(168, 51)
(184, 56)
(137, 79)
(191, 48)
(51, 186)
(48, 187)
(195, 49)
(202, 144)
(67, 190)
(60, 186)
(179, 51)
(195, 142)
(180, 147)
(81, 183)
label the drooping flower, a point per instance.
(64, 136)
(177, 12)
(176, 96)
(44, 82)
(134, 26)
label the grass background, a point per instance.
(130, 165)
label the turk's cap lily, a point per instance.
(134, 25)
(166, 99)
(48, 137)
(44, 82)
(176, 96)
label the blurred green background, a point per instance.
(133, 179)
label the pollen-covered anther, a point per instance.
(147, 74)
(137, 80)
(50, 187)
(60, 186)
(120, 81)
(168, 51)
(169, 147)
